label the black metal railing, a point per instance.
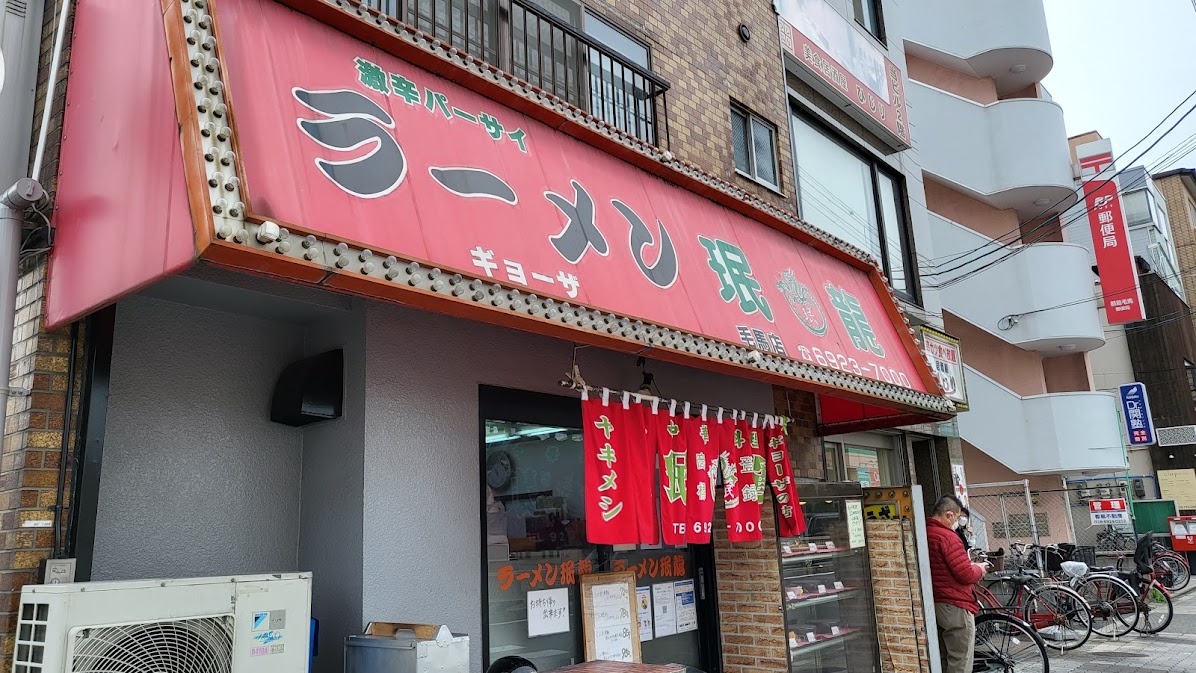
(526, 40)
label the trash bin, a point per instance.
(388, 647)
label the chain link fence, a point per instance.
(1107, 538)
(1002, 513)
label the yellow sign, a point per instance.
(884, 511)
(1180, 486)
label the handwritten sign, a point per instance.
(547, 612)
(611, 617)
(855, 524)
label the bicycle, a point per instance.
(1006, 644)
(1172, 567)
(1057, 613)
(1112, 604)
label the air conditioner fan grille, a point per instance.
(202, 645)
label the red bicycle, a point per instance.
(1059, 614)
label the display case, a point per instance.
(829, 618)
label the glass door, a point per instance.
(535, 547)
(826, 588)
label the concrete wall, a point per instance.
(330, 524)
(196, 480)
(978, 89)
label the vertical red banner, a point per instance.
(642, 488)
(1110, 236)
(610, 512)
(674, 473)
(790, 520)
(703, 443)
(743, 479)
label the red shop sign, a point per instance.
(349, 141)
(1111, 240)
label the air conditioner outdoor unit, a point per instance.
(1176, 436)
(250, 624)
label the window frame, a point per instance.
(878, 11)
(1190, 370)
(750, 117)
(913, 279)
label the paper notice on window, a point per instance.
(664, 608)
(687, 605)
(547, 612)
(855, 524)
(643, 604)
(612, 622)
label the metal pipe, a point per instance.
(13, 203)
(55, 63)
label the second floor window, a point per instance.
(755, 143)
(849, 195)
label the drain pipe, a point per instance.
(13, 203)
(47, 108)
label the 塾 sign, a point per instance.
(1110, 235)
(946, 363)
(1108, 512)
(839, 60)
(1136, 409)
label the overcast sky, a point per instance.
(1120, 66)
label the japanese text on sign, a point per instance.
(567, 572)
(547, 612)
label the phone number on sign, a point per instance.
(826, 358)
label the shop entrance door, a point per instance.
(534, 541)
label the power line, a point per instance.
(1062, 225)
(1017, 232)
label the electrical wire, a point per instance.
(1017, 231)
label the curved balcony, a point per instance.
(1005, 40)
(1052, 433)
(1044, 275)
(1008, 154)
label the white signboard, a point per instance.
(687, 605)
(947, 364)
(1108, 512)
(547, 612)
(855, 524)
(643, 604)
(664, 602)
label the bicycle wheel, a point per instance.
(1113, 603)
(1173, 572)
(1157, 611)
(1059, 615)
(1006, 591)
(1005, 644)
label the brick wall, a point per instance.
(696, 47)
(1182, 230)
(899, 621)
(29, 461)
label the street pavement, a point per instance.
(1172, 651)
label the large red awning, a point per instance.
(311, 155)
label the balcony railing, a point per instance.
(525, 40)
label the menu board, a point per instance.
(610, 617)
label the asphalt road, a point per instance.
(1171, 651)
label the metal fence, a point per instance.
(1009, 512)
(548, 51)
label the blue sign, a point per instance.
(1136, 412)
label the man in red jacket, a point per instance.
(952, 575)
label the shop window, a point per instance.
(755, 143)
(534, 517)
(877, 463)
(868, 14)
(849, 195)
